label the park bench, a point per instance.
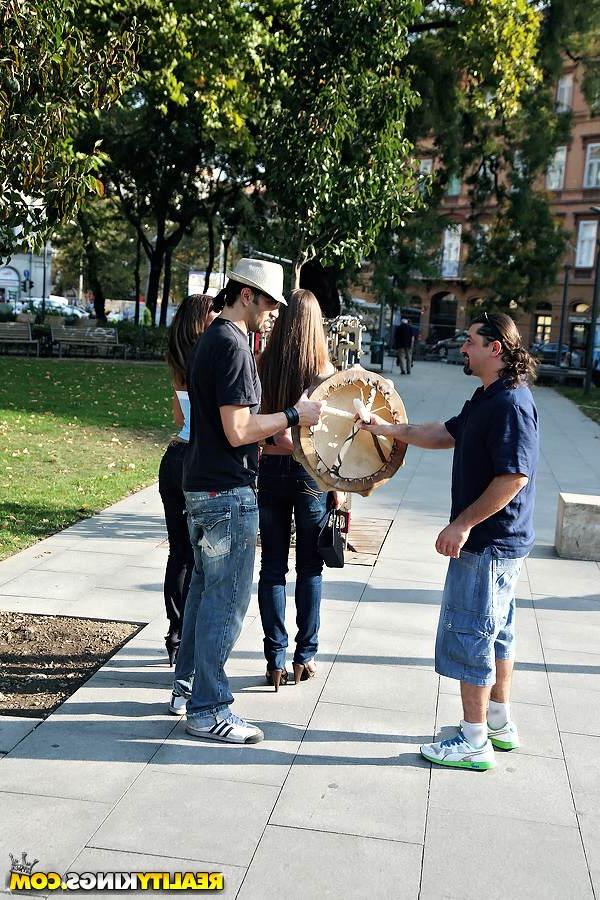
(89, 340)
(18, 333)
(548, 374)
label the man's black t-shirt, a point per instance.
(496, 433)
(221, 372)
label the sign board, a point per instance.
(25, 273)
(196, 279)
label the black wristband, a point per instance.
(292, 416)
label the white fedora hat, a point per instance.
(266, 277)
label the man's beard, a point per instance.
(466, 367)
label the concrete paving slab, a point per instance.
(401, 688)
(429, 571)
(563, 577)
(582, 756)
(353, 767)
(380, 648)
(269, 762)
(51, 830)
(535, 789)
(13, 729)
(397, 617)
(349, 867)
(529, 859)
(49, 585)
(160, 812)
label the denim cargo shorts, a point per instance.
(477, 617)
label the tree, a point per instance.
(181, 143)
(52, 70)
(103, 245)
(496, 128)
(337, 162)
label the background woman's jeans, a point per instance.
(284, 486)
(223, 527)
(180, 563)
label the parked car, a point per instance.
(546, 353)
(453, 343)
(59, 307)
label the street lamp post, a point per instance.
(589, 355)
(563, 313)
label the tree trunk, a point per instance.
(91, 257)
(166, 288)
(226, 245)
(136, 276)
(155, 257)
(210, 224)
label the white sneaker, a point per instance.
(458, 753)
(505, 738)
(230, 729)
(177, 705)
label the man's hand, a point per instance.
(452, 539)
(377, 425)
(309, 410)
(337, 498)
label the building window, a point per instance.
(555, 176)
(591, 176)
(451, 251)
(564, 93)
(454, 186)
(586, 244)
(543, 327)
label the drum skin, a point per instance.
(338, 454)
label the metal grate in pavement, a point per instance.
(365, 540)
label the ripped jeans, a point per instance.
(223, 527)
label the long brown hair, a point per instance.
(189, 322)
(519, 366)
(295, 354)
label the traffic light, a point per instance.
(27, 284)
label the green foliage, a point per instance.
(337, 163)
(113, 242)
(518, 260)
(53, 70)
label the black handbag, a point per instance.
(330, 543)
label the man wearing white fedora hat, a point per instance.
(220, 470)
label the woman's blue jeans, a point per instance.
(223, 527)
(285, 487)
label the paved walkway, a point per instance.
(336, 802)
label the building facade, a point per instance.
(572, 181)
(22, 277)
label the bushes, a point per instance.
(145, 343)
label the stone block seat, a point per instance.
(578, 526)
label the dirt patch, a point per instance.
(44, 659)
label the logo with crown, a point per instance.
(22, 866)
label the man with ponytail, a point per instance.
(219, 483)
(496, 448)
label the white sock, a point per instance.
(498, 714)
(475, 733)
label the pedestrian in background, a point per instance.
(404, 343)
(192, 318)
(294, 359)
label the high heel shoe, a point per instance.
(276, 677)
(304, 671)
(172, 642)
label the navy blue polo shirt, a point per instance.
(496, 433)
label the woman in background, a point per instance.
(192, 318)
(295, 357)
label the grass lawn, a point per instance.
(589, 405)
(75, 436)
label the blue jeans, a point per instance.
(284, 486)
(477, 617)
(223, 527)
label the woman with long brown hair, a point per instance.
(295, 357)
(192, 318)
